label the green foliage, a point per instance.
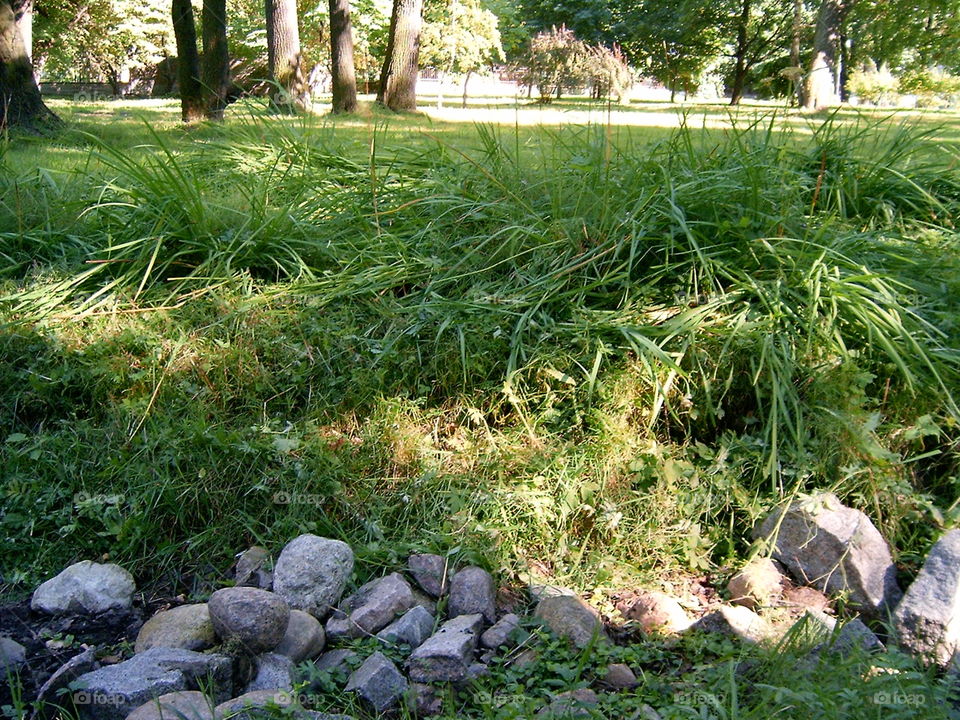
(874, 86)
(555, 61)
(933, 87)
(460, 36)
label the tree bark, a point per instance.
(20, 102)
(285, 57)
(740, 72)
(215, 71)
(398, 79)
(188, 62)
(797, 30)
(824, 69)
(343, 75)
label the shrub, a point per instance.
(933, 87)
(873, 86)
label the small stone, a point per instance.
(190, 704)
(448, 653)
(256, 618)
(252, 702)
(572, 704)
(312, 572)
(86, 588)
(836, 549)
(421, 599)
(336, 660)
(303, 639)
(371, 608)
(472, 590)
(476, 671)
(12, 654)
(429, 572)
(424, 700)
(927, 621)
(657, 612)
(758, 584)
(378, 682)
(498, 634)
(734, 621)
(412, 629)
(187, 627)
(253, 568)
(619, 676)
(570, 617)
(274, 672)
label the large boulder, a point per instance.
(312, 572)
(570, 617)
(256, 618)
(188, 627)
(373, 607)
(927, 620)
(86, 588)
(836, 549)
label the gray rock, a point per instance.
(836, 549)
(429, 572)
(424, 700)
(114, 691)
(571, 704)
(188, 705)
(568, 616)
(304, 637)
(619, 676)
(657, 612)
(253, 568)
(412, 629)
(371, 608)
(187, 627)
(734, 621)
(448, 653)
(312, 572)
(334, 660)
(12, 654)
(76, 666)
(86, 588)
(758, 584)
(421, 599)
(538, 592)
(378, 683)
(927, 620)
(256, 618)
(498, 634)
(472, 590)
(274, 672)
(255, 700)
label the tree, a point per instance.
(20, 101)
(398, 79)
(285, 56)
(192, 106)
(823, 89)
(344, 77)
(216, 60)
(761, 29)
(555, 61)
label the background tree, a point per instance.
(761, 29)
(398, 79)
(823, 79)
(285, 57)
(556, 60)
(20, 101)
(215, 70)
(343, 75)
(192, 106)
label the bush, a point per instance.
(876, 87)
(933, 87)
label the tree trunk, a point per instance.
(188, 62)
(215, 71)
(344, 77)
(465, 81)
(20, 101)
(797, 30)
(398, 79)
(740, 72)
(285, 57)
(824, 70)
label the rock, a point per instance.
(76, 666)
(334, 660)
(448, 653)
(253, 568)
(499, 634)
(472, 590)
(190, 704)
(429, 572)
(256, 618)
(539, 592)
(572, 704)
(570, 617)
(378, 683)
(657, 612)
(525, 658)
(12, 655)
(424, 700)
(423, 600)
(252, 701)
(927, 621)
(735, 621)
(805, 597)
(412, 629)
(371, 608)
(619, 676)
(758, 584)
(476, 671)
(274, 672)
(836, 549)
(312, 572)
(112, 692)
(187, 627)
(304, 637)
(85, 588)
